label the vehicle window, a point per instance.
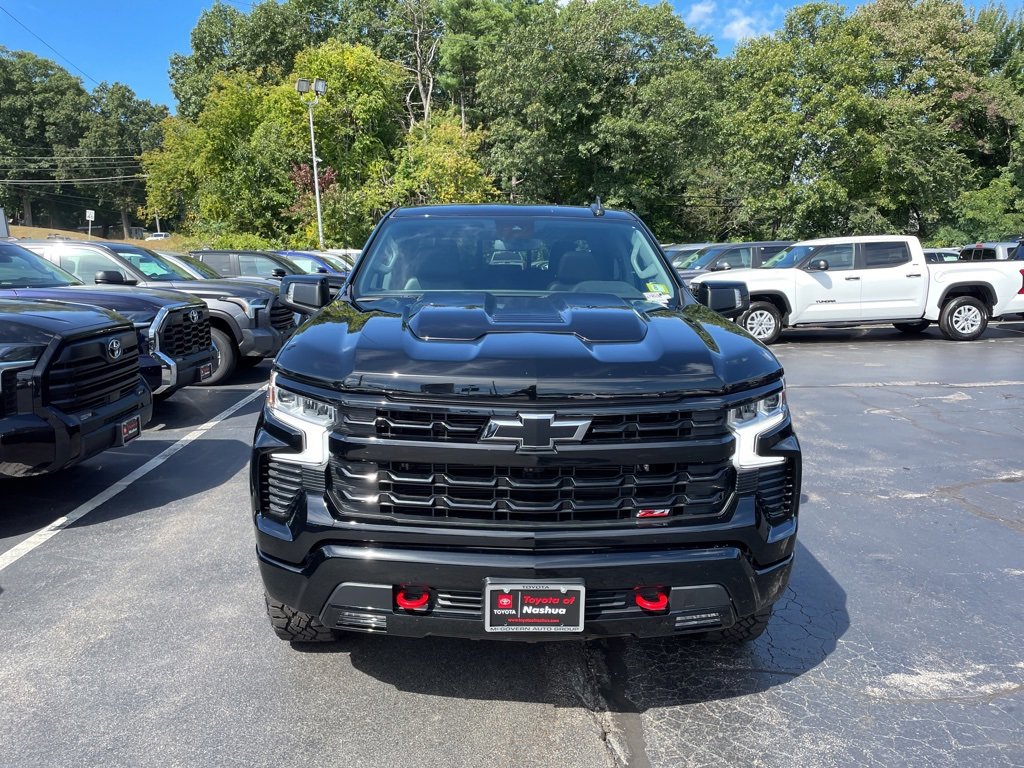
(880, 255)
(514, 255)
(22, 268)
(838, 257)
(788, 257)
(152, 266)
(221, 262)
(305, 263)
(254, 264)
(987, 254)
(737, 258)
(84, 263)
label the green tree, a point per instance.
(42, 111)
(439, 165)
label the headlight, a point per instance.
(313, 418)
(251, 307)
(765, 408)
(751, 420)
(20, 355)
(284, 401)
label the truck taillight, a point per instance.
(1021, 282)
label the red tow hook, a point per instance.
(412, 599)
(653, 600)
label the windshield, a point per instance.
(336, 261)
(153, 266)
(193, 264)
(513, 255)
(701, 258)
(788, 257)
(20, 268)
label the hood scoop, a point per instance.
(596, 318)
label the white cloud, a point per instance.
(700, 13)
(743, 25)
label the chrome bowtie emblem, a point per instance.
(194, 316)
(114, 349)
(536, 431)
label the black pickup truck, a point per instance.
(515, 422)
(69, 385)
(173, 328)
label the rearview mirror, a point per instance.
(111, 277)
(305, 293)
(727, 299)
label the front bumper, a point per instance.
(261, 342)
(351, 588)
(49, 440)
(176, 373)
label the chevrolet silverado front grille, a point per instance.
(467, 426)
(486, 495)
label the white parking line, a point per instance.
(17, 552)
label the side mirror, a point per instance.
(111, 277)
(727, 299)
(278, 272)
(305, 293)
(818, 266)
(322, 270)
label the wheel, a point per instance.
(296, 626)
(964, 318)
(743, 631)
(763, 322)
(225, 357)
(917, 327)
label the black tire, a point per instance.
(763, 322)
(296, 626)
(912, 328)
(225, 358)
(743, 631)
(964, 318)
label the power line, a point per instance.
(96, 180)
(68, 157)
(37, 37)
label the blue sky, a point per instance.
(131, 41)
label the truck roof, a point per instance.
(858, 239)
(548, 211)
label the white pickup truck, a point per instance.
(845, 281)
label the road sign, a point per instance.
(90, 215)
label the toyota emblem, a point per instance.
(114, 349)
(194, 316)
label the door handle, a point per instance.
(915, 274)
(853, 278)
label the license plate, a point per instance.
(205, 371)
(533, 606)
(131, 428)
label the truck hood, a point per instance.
(562, 346)
(141, 304)
(215, 289)
(36, 322)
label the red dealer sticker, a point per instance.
(534, 606)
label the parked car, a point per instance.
(247, 324)
(70, 385)
(248, 263)
(1004, 251)
(726, 256)
(173, 327)
(844, 281)
(191, 266)
(468, 446)
(941, 255)
(678, 253)
(159, 236)
(310, 262)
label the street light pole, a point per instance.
(319, 88)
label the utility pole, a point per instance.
(319, 88)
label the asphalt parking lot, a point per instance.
(136, 635)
